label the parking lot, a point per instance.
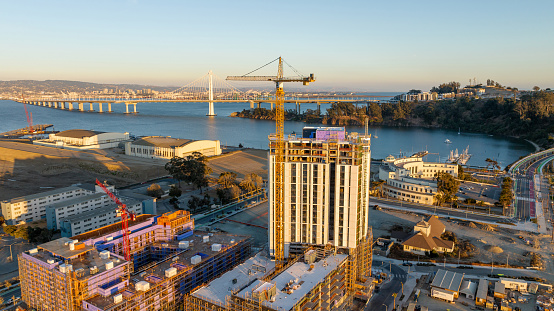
(479, 192)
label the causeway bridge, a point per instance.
(209, 89)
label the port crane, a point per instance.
(279, 79)
(125, 215)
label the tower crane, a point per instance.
(279, 145)
(125, 215)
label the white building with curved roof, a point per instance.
(165, 147)
(411, 179)
(83, 139)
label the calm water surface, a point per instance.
(188, 120)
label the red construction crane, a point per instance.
(29, 115)
(125, 215)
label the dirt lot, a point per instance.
(513, 247)
(27, 169)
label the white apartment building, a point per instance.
(410, 179)
(96, 218)
(58, 211)
(159, 147)
(33, 207)
(326, 185)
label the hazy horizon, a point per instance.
(361, 46)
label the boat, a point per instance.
(456, 157)
(447, 141)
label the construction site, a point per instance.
(91, 274)
(318, 257)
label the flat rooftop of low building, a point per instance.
(41, 194)
(298, 271)
(181, 260)
(78, 200)
(60, 247)
(111, 228)
(241, 276)
(162, 141)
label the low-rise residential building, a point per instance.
(426, 237)
(32, 207)
(482, 292)
(60, 210)
(411, 179)
(160, 147)
(514, 284)
(446, 285)
(83, 139)
(88, 220)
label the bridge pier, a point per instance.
(91, 108)
(271, 105)
(49, 104)
(297, 108)
(100, 107)
(70, 106)
(318, 108)
(259, 105)
(110, 107)
(62, 105)
(251, 104)
(127, 107)
(81, 108)
(211, 110)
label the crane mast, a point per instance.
(125, 215)
(279, 168)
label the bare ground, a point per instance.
(513, 247)
(26, 169)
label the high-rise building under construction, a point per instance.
(326, 184)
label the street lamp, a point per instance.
(386, 307)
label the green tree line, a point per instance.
(531, 117)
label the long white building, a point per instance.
(83, 139)
(326, 178)
(411, 179)
(33, 207)
(159, 147)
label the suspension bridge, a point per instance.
(209, 88)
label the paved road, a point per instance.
(441, 211)
(384, 296)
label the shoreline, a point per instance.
(537, 147)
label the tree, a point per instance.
(22, 233)
(2, 220)
(193, 169)
(155, 190)
(378, 185)
(536, 88)
(175, 191)
(10, 230)
(227, 179)
(1, 300)
(447, 186)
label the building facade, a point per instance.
(326, 185)
(33, 207)
(159, 147)
(411, 179)
(83, 139)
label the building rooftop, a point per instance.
(448, 280)
(243, 275)
(42, 194)
(180, 259)
(303, 275)
(77, 133)
(482, 289)
(499, 287)
(84, 258)
(161, 141)
(468, 288)
(78, 200)
(60, 247)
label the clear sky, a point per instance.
(351, 45)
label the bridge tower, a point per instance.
(211, 110)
